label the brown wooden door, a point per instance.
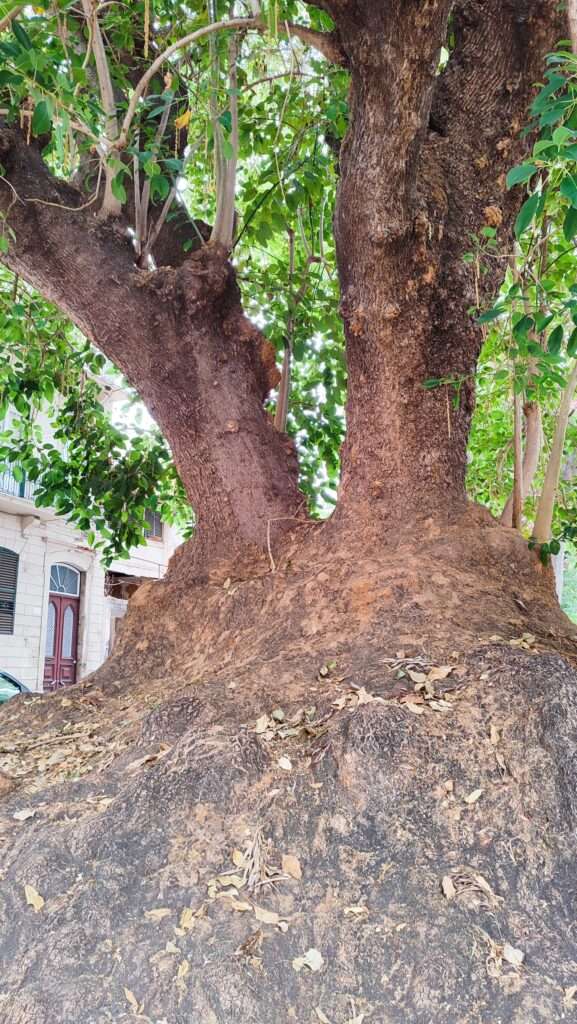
(61, 641)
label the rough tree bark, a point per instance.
(418, 843)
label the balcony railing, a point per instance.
(18, 488)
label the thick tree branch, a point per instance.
(326, 43)
(60, 248)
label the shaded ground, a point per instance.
(300, 820)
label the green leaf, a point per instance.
(227, 150)
(568, 188)
(21, 35)
(523, 326)
(555, 340)
(526, 213)
(491, 314)
(42, 118)
(118, 189)
(570, 223)
(572, 344)
(517, 175)
(226, 120)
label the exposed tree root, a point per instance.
(371, 760)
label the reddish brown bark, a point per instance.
(181, 339)
(423, 166)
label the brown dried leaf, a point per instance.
(357, 911)
(417, 677)
(262, 724)
(413, 707)
(239, 905)
(569, 994)
(473, 797)
(513, 956)
(311, 959)
(132, 1000)
(33, 898)
(235, 880)
(285, 763)
(291, 866)
(448, 888)
(437, 673)
(266, 916)
(157, 913)
(321, 1016)
(494, 735)
(24, 815)
(238, 859)
(186, 921)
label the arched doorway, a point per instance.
(62, 627)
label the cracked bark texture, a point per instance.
(175, 776)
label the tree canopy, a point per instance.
(280, 124)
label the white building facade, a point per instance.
(59, 606)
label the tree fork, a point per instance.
(181, 339)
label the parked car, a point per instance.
(10, 687)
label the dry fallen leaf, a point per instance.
(132, 1000)
(266, 916)
(291, 866)
(311, 959)
(186, 921)
(285, 763)
(235, 880)
(262, 724)
(28, 812)
(416, 709)
(474, 796)
(494, 735)
(33, 898)
(448, 888)
(438, 673)
(238, 859)
(569, 994)
(513, 956)
(417, 677)
(171, 947)
(356, 911)
(321, 1016)
(183, 969)
(239, 905)
(157, 913)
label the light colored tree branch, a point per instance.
(546, 503)
(533, 445)
(9, 18)
(572, 19)
(223, 230)
(192, 37)
(111, 206)
(518, 458)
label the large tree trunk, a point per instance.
(373, 729)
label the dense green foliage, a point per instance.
(292, 113)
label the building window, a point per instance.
(152, 525)
(8, 582)
(64, 580)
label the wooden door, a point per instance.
(61, 641)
